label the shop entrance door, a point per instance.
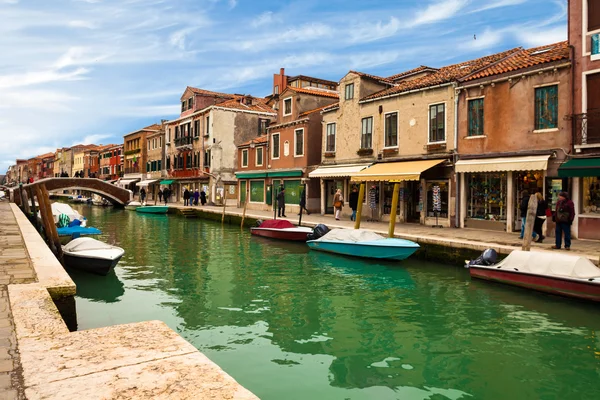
(413, 213)
(330, 189)
(532, 181)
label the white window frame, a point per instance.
(273, 146)
(372, 132)
(397, 130)
(468, 99)
(291, 106)
(245, 151)
(346, 86)
(445, 122)
(262, 161)
(303, 142)
(327, 136)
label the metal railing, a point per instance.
(586, 128)
(183, 141)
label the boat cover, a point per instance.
(553, 264)
(62, 208)
(70, 230)
(350, 235)
(277, 224)
(134, 203)
(86, 244)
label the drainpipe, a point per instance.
(458, 194)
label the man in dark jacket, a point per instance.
(563, 216)
(281, 203)
(353, 202)
(186, 197)
(303, 202)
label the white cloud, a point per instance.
(438, 11)
(482, 41)
(497, 4)
(81, 24)
(38, 77)
(92, 139)
(379, 30)
(232, 4)
(533, 37)
(177, 38)
(263, 19)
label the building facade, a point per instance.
(135, 156)
(513, 134)
(583, 167)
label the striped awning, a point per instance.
(337, 171)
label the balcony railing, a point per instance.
(184, 141)
(133, 170)
(586, 128)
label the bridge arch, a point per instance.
(114, 194)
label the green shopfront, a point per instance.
(259, 189)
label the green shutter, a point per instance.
(546, 107)
(242, 192)
(257, 191)
(475, 115)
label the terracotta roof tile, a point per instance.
(373, 77)
(315, 91)
(153, 127)
(443, 75)
(236, 103)
(331, 107)
(209, 93)
(314, 110)
(414, 71)
(258, 140)
(525, 59)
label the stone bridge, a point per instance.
(112, 193)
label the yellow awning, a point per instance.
(527, 163)
(395, 171)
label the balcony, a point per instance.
(132, 170)
(586, 129)
(184, 141)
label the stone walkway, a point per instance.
(15, 267)
(589, 248)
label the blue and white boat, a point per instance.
(363, 243)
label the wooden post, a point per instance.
(245, 206)
(394, 209)
(52, 226)
(529, 221)
(33, 209)
(25, 202)
(45, 221)
(361, 198)
(224, 205)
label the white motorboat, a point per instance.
(62, 208)
(91, 255)
(133, 205)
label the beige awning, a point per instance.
(125, 182)
(146, 182)
(337, 171)
(526, 163)
(395, 171)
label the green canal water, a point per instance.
(289, 323)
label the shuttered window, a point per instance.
(546, 107)
(366, 138)
(475, 117)
(593, 15)
(437, 123)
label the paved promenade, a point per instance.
(15, 267)
(468, 238)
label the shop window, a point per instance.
(532, 181)
(388, 194)
(257, 191)
(242, 192)
(391, 129)
(330, 145)
(437, 199)
(292, 191)
(546, 107)
(475, 115)
(486, 196)
(437, 123)
(591, 195)
(366, 137)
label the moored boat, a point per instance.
(556, 273)
(133, 205)
(67, 233)
(281, 229)
(91, 255)
(363, 243)
(152, 209)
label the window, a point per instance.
(190, 103)
(259, 156)
(196, 128)
(245, 158)
(188, 161)
(391, 129)
(349, 91)
(160, 142)
(546, 107)
(276, 90)
(257, 191)
(330, 144)
(262, 126)
(168, 162)
(169, 135)
(159, 167)
(475, 117)
(299, 141)
(183, 104)
(207, 125)
(366, 137)
(593, 15)
(287, 106)
(437, 123)
(207, 158)
(275, 144)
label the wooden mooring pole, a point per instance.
(394, 209)
(361, 198)
(245, 206)
(529, 221)
(224, 206)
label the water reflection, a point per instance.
(291, 323)
(105, 289)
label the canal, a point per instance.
(289, 323)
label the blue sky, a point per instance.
(89, 71)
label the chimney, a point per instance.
(279, 81)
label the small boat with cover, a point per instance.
(91, 255)
(360, 243)
(152, 209)
(281, 229)
(561, 274)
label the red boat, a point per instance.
(556, 273)
(281, 229)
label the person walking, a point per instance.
(353, 203)
(281, 203)
(540, 217)
(203, 197)
(338, 203)
(196, 197)
(166, 194)
(142, 195)
(303, 201)
(523, 208)
(186, 197)
(160, 194)
(563, 216)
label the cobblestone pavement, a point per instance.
(15, 267)
(590, 248)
